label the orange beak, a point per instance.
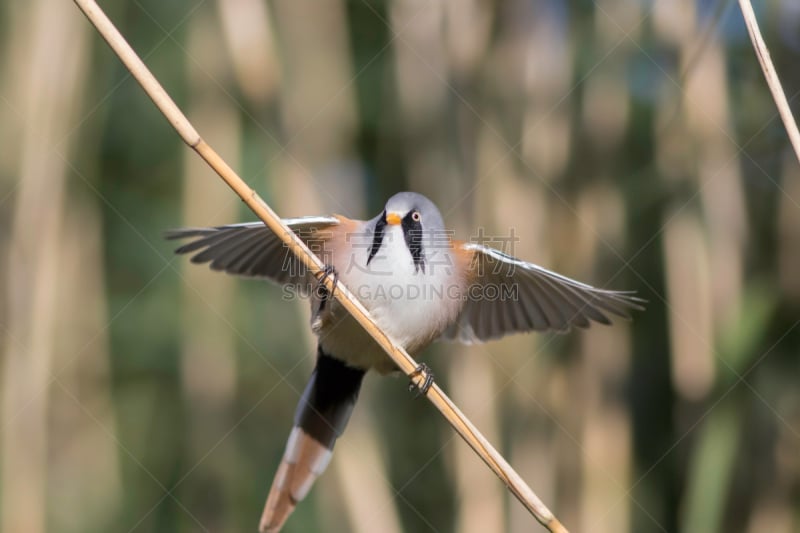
(393, 219)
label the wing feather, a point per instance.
(538, 320)
(252, 249)
(246, 256)
(542, 299)
(221, 251)
(552, 305)
(574, 308)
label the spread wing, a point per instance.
(252, 249)
(507, 295)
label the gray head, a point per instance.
(420, 220)
(405, 204)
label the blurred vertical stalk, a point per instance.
(460, 41)
(504, 207)
(704, 257)
(247, 31)
(50, 84)
(544, 46)
(607, 454)
(84, 477)
(424, 91)
(208, 365)
(607, 434)
(605, 364)
(689, 297)
(538, 41)
(711, 470)
(362, 474)
(512, 215)
(789, 230)
(714, 459)
(718, 174)
(776, 508)
(703, 304)
(480, 499)
(317, 109)
(16, 17)
(693, 149)
(316, 174)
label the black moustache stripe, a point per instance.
(377, 238)
(412, 231)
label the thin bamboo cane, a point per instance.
(190, 136)
(771, 75)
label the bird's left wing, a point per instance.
(506, 295)
(252, 249)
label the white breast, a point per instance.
(412, 306)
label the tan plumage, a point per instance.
(303, 461)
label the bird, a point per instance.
(418, 283)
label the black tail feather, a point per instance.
(328, 400)
(321, 417)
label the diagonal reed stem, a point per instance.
(454, 416)
(762, 52)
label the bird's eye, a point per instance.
(415, 216)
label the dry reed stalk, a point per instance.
(452, 414)
(771, 75)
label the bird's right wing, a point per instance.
(508, 295)
(251, 249)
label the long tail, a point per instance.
(321, 417)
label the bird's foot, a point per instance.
(328, 271)
(421, 370)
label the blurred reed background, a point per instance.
(633, 145)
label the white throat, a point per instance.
(407, 300)
(412, 305)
